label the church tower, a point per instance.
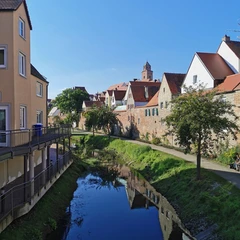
(147, 73)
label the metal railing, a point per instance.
(29, 137)
(20, 194)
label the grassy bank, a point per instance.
(200, 204)
(43, 217)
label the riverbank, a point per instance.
(205, 206)
(44, 216)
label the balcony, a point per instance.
(23, 141)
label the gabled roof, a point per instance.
(118, 86)
(91, 103)
(145, 83)
(231, 83)
(175, 81)
(13, 5)
(138, 93)
(215, 64)
(81, 88)
(110, 92)
(119, 95)
(37, 74)
(153, 101)
(234, 46)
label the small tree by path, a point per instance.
(100, 118)
(198, 117)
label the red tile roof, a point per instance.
(119, 95)
(215, 64)
(91, 103)
(175, 81)
(138, 93)
(119, 86)
(145, 83)
(235, 47)
(153, 101)
(110, 92)
(231, 83)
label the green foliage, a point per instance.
(228, 156)
(101, 118)
(156, 141)
(52, 223)
(70, 102)
(197, 117)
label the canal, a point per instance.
(117, 203)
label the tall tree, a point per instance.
(70, 102)
(197, 117)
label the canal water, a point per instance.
(116, 203)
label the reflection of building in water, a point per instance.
(142, 194)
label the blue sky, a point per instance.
(98, 43)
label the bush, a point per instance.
(156, 141)
(228, 156)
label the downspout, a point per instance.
(47, 105)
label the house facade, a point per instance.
(25, 140)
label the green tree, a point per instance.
(91, 116)
(100, 118)
(70, 102)
(198, 117)
(106, 119)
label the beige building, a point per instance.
(25, 139)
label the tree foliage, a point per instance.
(198, 118)
(70, 102)
(100, 118)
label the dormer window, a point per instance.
(194, 79)
(21, 28)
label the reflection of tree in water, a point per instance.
(105, 177)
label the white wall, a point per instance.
(203, 76)
(229, 56)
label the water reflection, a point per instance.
(100, 209)
(141, 194)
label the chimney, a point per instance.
(116, 89)
(146, 92)
(135, 79)
(226, 38)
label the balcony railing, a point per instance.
(22, 138)
(21, 194)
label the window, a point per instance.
(161, 105)
(149, 112)
(146, 112)
(153, 111)
(22, 64)
(39, 89)
(21, 28)
(138, 120)
(39, 116)
(23, 117)
(166, 104)
(194, 79)
(157, 111)
(3, 57)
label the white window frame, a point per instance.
(39, 116)
(4, 65)
(22, 64)
(21, 28)
(23, 117)
(39, 89)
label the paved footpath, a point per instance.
(231, 175)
